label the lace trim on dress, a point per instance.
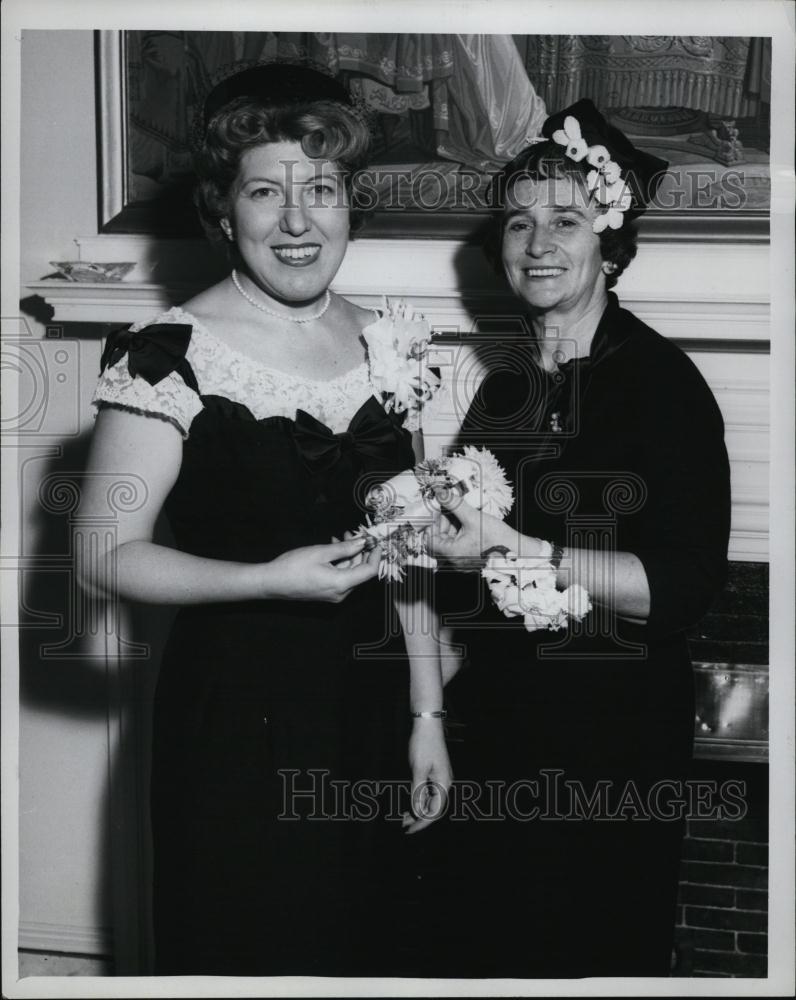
(221, 370)
(267, 392)
(170, 398)
(101, 404)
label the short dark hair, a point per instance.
(541, 161)
(326, 130)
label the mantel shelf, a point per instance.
(732, 322)
(678, 288)
(106, 302)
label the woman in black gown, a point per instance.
(615, 445)
(249, 415)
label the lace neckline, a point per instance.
(278, 373)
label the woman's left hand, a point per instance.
(460, 533)
(432, 775)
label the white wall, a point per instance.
(64, 732)
(73, 715)
(58, 155)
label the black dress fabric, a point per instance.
(623, 449)
(259, 700)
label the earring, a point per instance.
(608, 267)
(226, 229)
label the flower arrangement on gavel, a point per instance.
(403, 507)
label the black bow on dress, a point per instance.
(371, 435)
(153, 352)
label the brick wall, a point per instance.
(722, 915)
(735, 630)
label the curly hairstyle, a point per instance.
(541, 161)
(325, 130)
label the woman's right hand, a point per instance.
(321, 572)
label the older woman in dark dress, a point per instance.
(579, 741)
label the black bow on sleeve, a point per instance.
(153, 352)
(372, 436)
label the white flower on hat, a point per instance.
(598, 156)
(570, 137)
(612, 219)
(605, 181)
(605, 191)
(618, 199)
(617, 195)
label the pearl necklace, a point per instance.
(272, 312)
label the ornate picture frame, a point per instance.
(724, 198)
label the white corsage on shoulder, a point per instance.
(526, 587)
(405, 505)
(398, 351)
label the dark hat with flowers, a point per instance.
(622, 177)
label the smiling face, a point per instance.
(289, 218)
(551, 255)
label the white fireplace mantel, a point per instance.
(688, 294)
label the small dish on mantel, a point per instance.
(88, 271)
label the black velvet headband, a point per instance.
(642, 171)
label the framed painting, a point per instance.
(446, 112)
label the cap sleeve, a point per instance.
(146, 371)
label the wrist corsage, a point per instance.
(398, 351)
(526, 586)
(405, 505)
